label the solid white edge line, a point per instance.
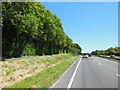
(62, 75)
(71, 80)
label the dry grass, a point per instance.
(17, 70)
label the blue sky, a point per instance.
(93, 25)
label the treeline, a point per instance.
(110, 51)
(30, 29)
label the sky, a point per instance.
(93, 25)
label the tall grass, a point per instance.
(49, 75)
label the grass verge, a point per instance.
(47, 77)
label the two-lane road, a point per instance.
(92, 72)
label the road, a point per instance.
(92, 72)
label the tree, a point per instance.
(76, 48)
(109, 51)
(30, 29)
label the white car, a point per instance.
(112, 56)
(85, 56)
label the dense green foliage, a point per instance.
(0, 30)
(0, 15)
(30, 29)
(75, 48)
(110, 51)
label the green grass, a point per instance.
(118, 56)
(45, 78)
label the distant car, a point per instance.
(98, 55)
(84, 55)
(112, 56)
(89, 55)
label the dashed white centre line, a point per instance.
(100, 64)
(118, 75)
(71, 80)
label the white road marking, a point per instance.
(100, 64)
(62, 75)
(118, 75)
(71, 80)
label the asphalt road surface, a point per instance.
(92, 72)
